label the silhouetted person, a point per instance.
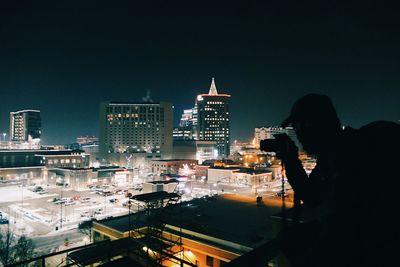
(354, 184)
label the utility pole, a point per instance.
(22, 199)
(129, 216)
(255, 183)
(61, 203)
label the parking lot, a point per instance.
(38, 212)
(45, 210)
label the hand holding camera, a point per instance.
(282, 145)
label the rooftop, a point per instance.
(172, 160)
(235, 219)
(103, 251)
(123, 103)
(164, 182)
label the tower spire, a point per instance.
(213, 88)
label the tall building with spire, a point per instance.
(212, 119)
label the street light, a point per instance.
(61, 202)
(129, 215)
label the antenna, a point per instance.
(147, 98)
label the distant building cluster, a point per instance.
(139, 138)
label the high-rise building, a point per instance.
(135, 127)
(212, 114)
(187, 118)
(25, 124)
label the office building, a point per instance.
(135, 127)
(25, 125)
(183, 133)
(212, 119)
(187, 118)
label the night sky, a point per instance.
(64, 57)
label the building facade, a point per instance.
(183, 133)
(135, 127)
(25, 125)
(171, 166)
(212, 112)
(31, 166)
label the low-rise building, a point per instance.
(195, 149)
(72, 159)
(80, 178)
(203, 232)
(172, 166)
(32, 165)
(245, 176)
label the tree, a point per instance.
(6, 241)
(85, 227)
(24, 249)
(14, 250)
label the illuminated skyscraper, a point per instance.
(212, 119)
(135, 127)
(25, 124)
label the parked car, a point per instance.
(85, 200)
(113, 200)
(76, 197)
(4, 220)
(61, 201)
(56, 199)
(119, 192)
(138, 187)
(69, 203)
(85, 214)
(107, 193)
(37, 189)
(99, 211)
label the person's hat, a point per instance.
(311, 107)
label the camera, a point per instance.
(272, 145)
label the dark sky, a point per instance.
(64, 57)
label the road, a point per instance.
(48, 243)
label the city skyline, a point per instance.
(265, 55)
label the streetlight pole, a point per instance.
(105, 203)
(256, 181)
(129, 216)
(22, 200)
(61, 203)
